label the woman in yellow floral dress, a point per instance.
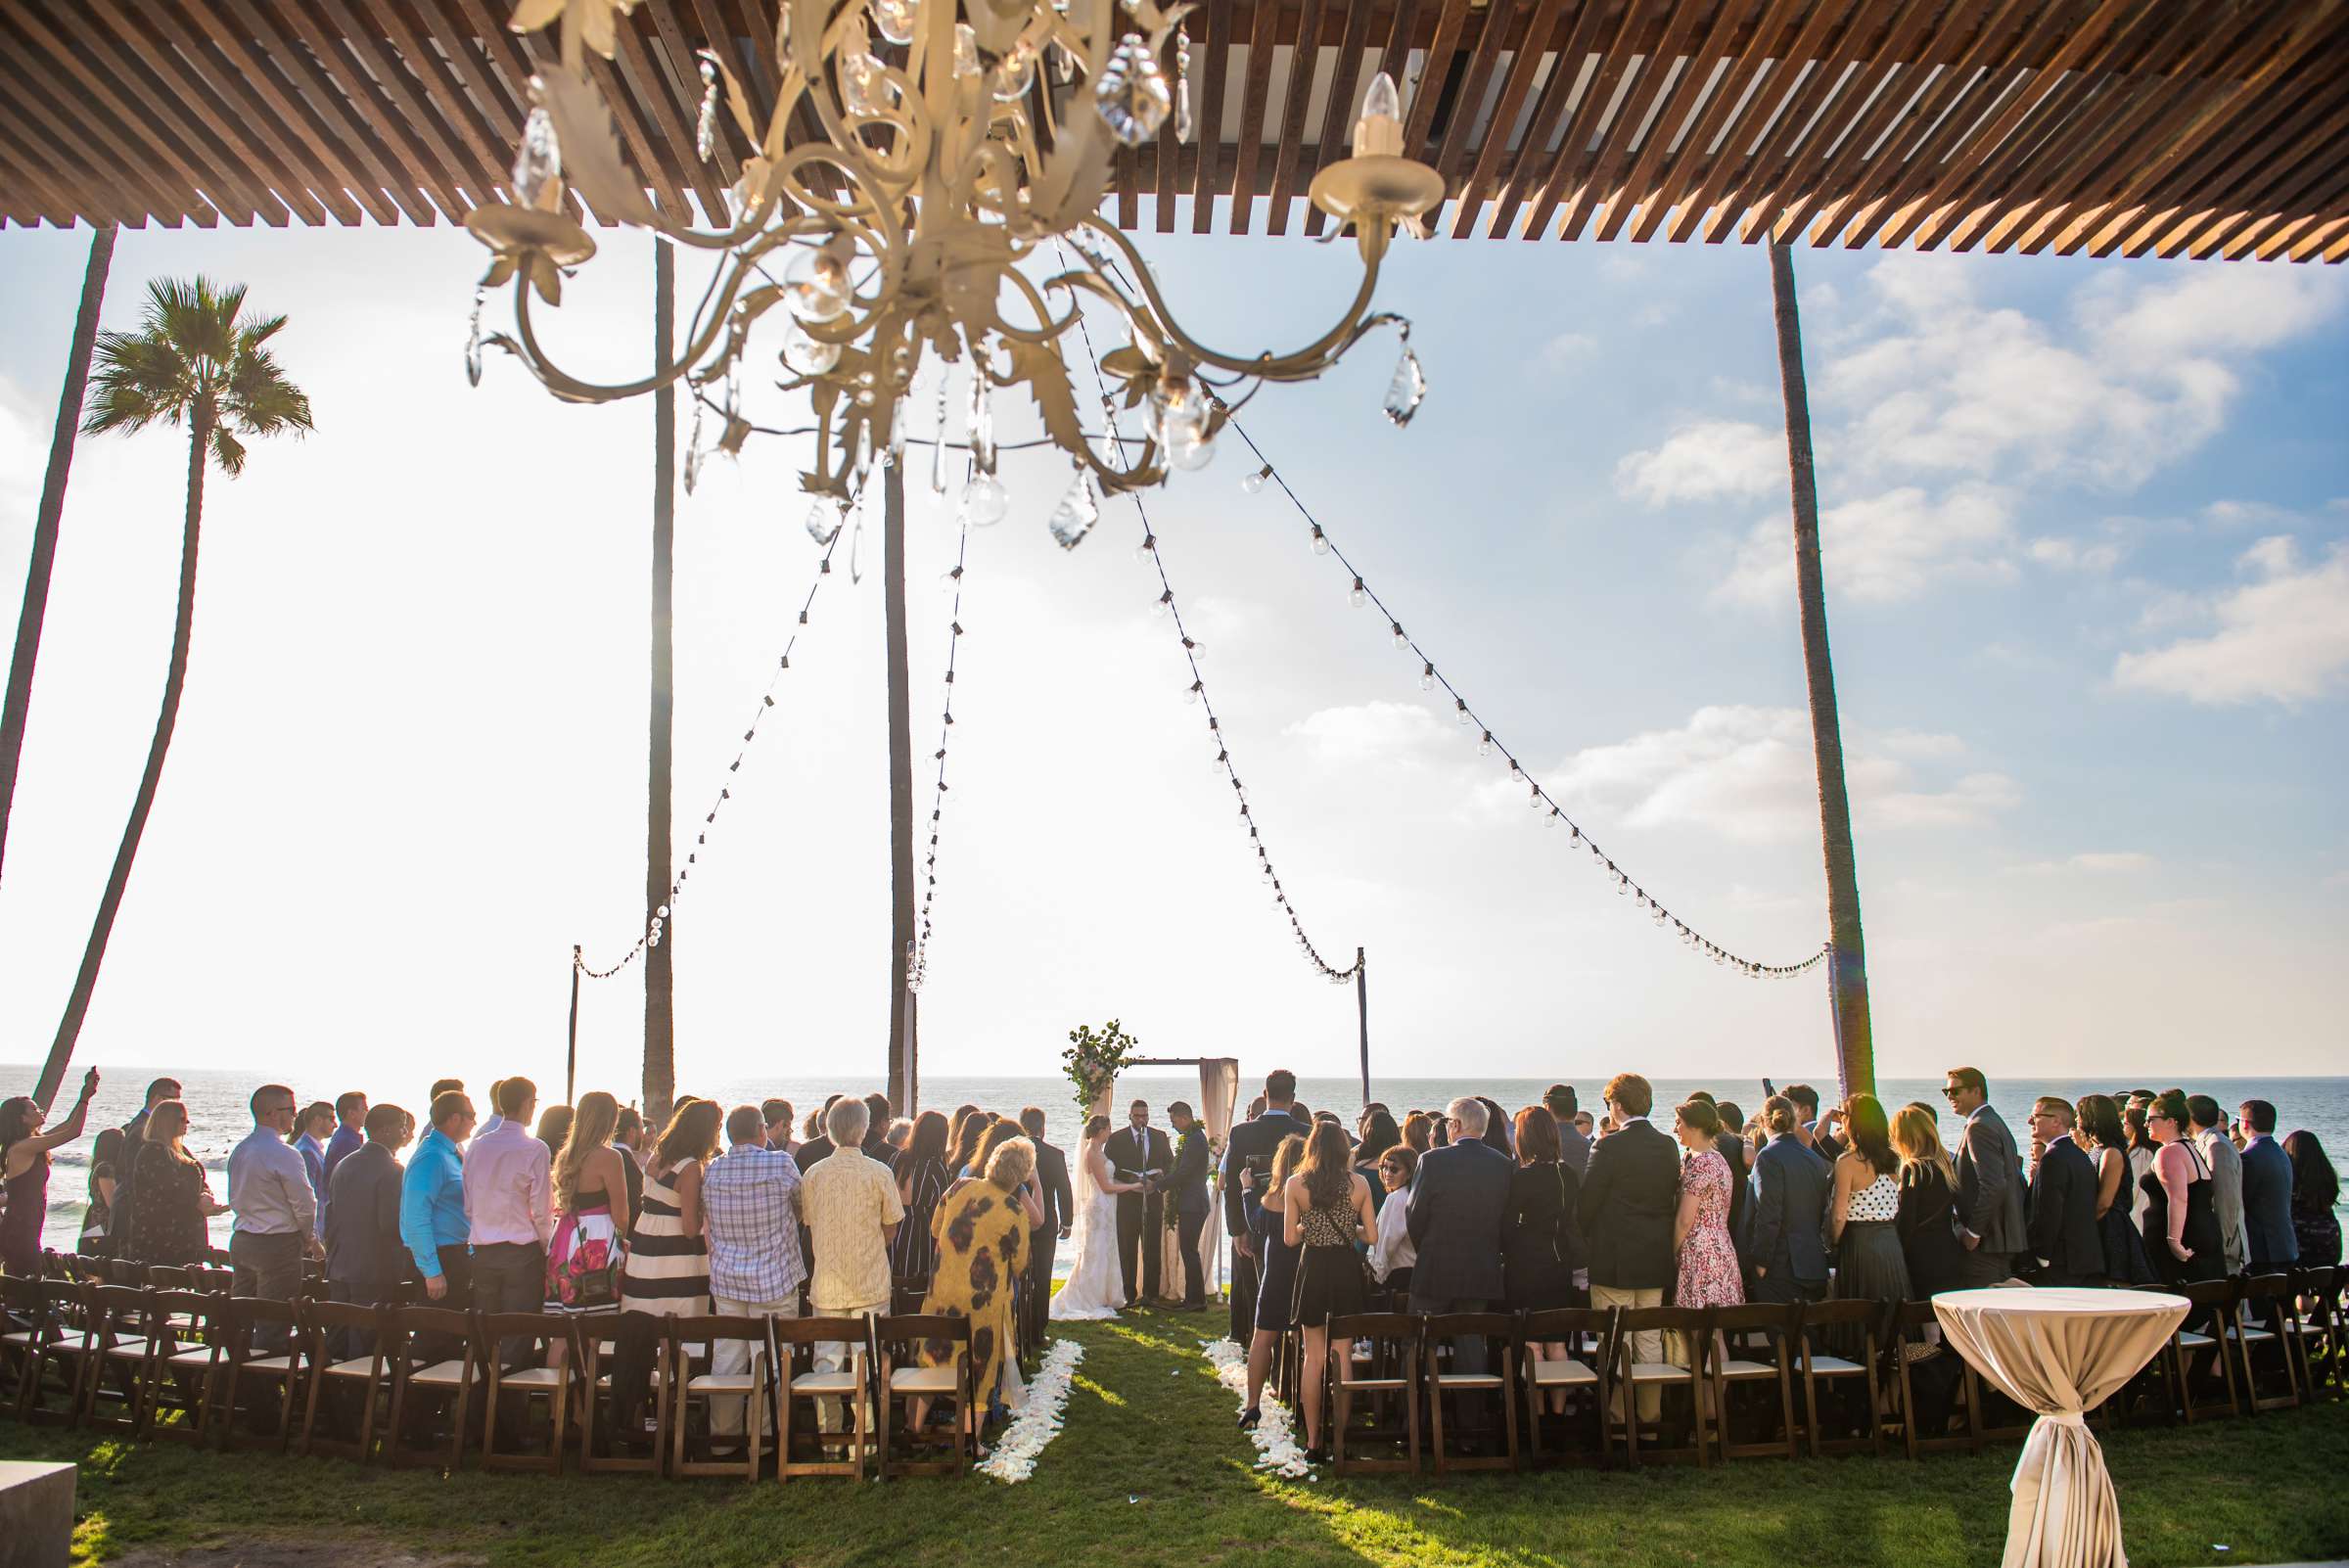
(982, 1236)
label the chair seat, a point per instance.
(722, 1383)
(1658, 1372)
(533, 1377)
(1835, 1367)
(923, 1380)
(2250, 1335)
(2190, 1340)
(1734, 1370)
(128, 1350)
(827, 1383)
(1373, 1382)
(440, 1374)
(194, 1355)
(27, 1337)
(1560, 1374)
(358, 1367)
(1466, 1380)
(263, 1364)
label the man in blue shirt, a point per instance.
(432, 1206)
(351, 1122)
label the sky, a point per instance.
(2086, 542)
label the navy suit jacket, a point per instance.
(2268, 1204)
(1252, 1145)
(1786, 1211)
(1187, 1182)
(1631, 1191)
(2063, 1212)
(1459, 1199)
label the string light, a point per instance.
(657, 920)
(918, 968)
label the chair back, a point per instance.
(1773, 1319)
(1662, 1320)
(117, 1311)
(1866, 1316)
(245, 1314)
(702, 1328)
(2219, 1293)
(408, 1322)
(185, 1319)
(1568, 1325)
(1441, 1326)
(913, 1328)
(320, 1318)
(1382, 1328)
(163, 1277)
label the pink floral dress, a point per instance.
(1708, 1259)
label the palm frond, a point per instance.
(227, 451)
(258, 399)
(196, 353)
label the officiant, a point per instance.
(1139, 1152)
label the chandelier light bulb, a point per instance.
(539, 160)
(815, 283)
(1015, 72)
(893, 20)
(1378, 132)
(984, 501)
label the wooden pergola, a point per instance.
(2135, 127)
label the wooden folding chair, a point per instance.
(1586, 1376)
(452, 1379)
(546, 1333)
(117, 1358)
(792, 1343)
(24, 1315)
(1387, 1373)
(240, 1361)
(1437, 1334)
(1911, 1321)
(598, 1342)
(897, 1348)
(1754, 1345)
(338, 1380)
(2247, 1333)
(60, 1344)
(184, 1331)
(2217, 1297)
(684, 1338)
(2316, 1331)
(1859, 1319)
(1633, 1376)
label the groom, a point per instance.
(1131, 1151)
(1188, 1183)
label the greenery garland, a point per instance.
(1094, 1060)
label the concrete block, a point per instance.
(37, 1514)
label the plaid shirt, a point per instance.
(751, 1196)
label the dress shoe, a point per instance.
(1249, 1417)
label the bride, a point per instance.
(1095, 1283)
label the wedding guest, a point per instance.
(554, 1127)
(277, 1211)
(954, 1126)
(1459, 1213)
(2097, 1122)
(1805, 1115)
(1325, 1214)
(593, 1208)
(447, 1085)
(633, 1144)
(1379, 1134)
(134, 1134)
(25, 1147)
(876, 1128)
(1786, 1211)
(1392, 1255)
(982, 1239)
(167, 1227)
(751, 1195)
(134, 1130)
(1420, 1131)
(1263, 1197)
(509, 1211)
(2266, 1192)
(1574, 1145)
(1060, 1214)
(818, 1145)
(778, 1116)
(666, 1273)
(1629, 1198)
(1869, 1264)
(1186, 1194)
(1496, 1127)
(1587, 1125)
(2061, 1207)
(108, 1156)
(921, 1176)
(1991, 1224)
(853, 1211)
(2181, 1222)
(1737, 1153)
(1705, 1259)
(365, 1261)
(2315, 1189)
(496, 1118)
(962, 1160)
(1927, 1217)
(2141, 1149)
(1542, 1240)
(2226, 1164)
(431, 1205)
(999, 1131)
(1248, 1152)
(350, 1134)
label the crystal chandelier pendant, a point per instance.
(897, 433)
(1015, 72)
(539, 160)
(1182, 85)
(966, 50)
(473, 343)
(983, 420)
(705, 132)
(1131, 95)
(893, 20)
(824, 523)
(1407, 390)
(693, 449)
(983, 502)
(937, 452)
(1078, 510)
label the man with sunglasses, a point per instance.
(277, 1212)
(1988, 1214)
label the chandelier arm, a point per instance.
(1051, 326)
(1301, 364)
(567, 385)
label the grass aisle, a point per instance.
(1150, 1472)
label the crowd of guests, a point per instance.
(744, 1212)
(1472, 1210)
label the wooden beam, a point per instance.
(1215, 62)
(1558, 100)
(1533, 52)
(1255, 85)
(359, 74)
(1708, 59)
(478, 155)
(1751, 119)
(1805, 110)
(1589, 111)
(1304, 61)
(1876, 91)
(1604, 180)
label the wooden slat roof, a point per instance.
(2169, 127)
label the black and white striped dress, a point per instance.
(667, 1273)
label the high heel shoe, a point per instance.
(1249, 1417)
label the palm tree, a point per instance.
(197, 361)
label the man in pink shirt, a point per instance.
(509, 1211)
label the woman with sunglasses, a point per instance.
(1393, 1254)
(2181, 1228)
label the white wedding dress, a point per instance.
(1096, 1285)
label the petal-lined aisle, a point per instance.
(1275, 1433)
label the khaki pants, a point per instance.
(1647, 1344)
(839, 1356)
(732, 1357)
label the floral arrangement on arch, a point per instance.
(1093, 1059)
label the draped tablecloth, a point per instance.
(2060, 1354)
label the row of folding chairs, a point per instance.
(413, 1384)
(1736, 1382)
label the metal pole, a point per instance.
(659, 1001)
(1361, 1004)
(900, 790)
(570, 1054)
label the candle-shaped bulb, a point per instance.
(1379, 130)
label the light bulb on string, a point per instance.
(1427, 678)
(1255, 482)
(1460, 705)
(1166, 603)
(1403, 644)
(1360, 596)
(1484, 747)
(1320, 540)
(1148, 547)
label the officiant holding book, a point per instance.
(1139, 1152)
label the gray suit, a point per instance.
(1574, 1149)
(2226, 1195)
(1785, 1220)
(1989, 1198)
(2268, 1205)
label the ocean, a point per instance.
(218, 1117)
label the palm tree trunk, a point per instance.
(45, 523)
(102, 928)
(1847, 963)
(660, 996)
(902, 1086)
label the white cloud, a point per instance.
(22, 451)
(1882, 548)
(1748, 774)
(2101, 863)
(2282, 637)
(1705, 461)
(1374, 731)
(2076, 555)
(1567, 348)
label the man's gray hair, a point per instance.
(1470, 1114)
(846, 1122)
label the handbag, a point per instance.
(590, 1274)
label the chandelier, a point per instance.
(957, 137)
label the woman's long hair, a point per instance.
(1917, 1136)
(955, 1123)
(592, 1124)
(1379, 1134)
(1420, 1131)
(2099, 1117)
(2316, 1184)
(1002, 1131)
(1285, 1161)
(966, 1145)
(15, 1121)
(1537, 1136)
(1496, 1127)
(929, 1141)
(691, 1134)
(2133, 1122)
(1328, 1172)
(1871, 1133)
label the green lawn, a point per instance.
(1150, 1473)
